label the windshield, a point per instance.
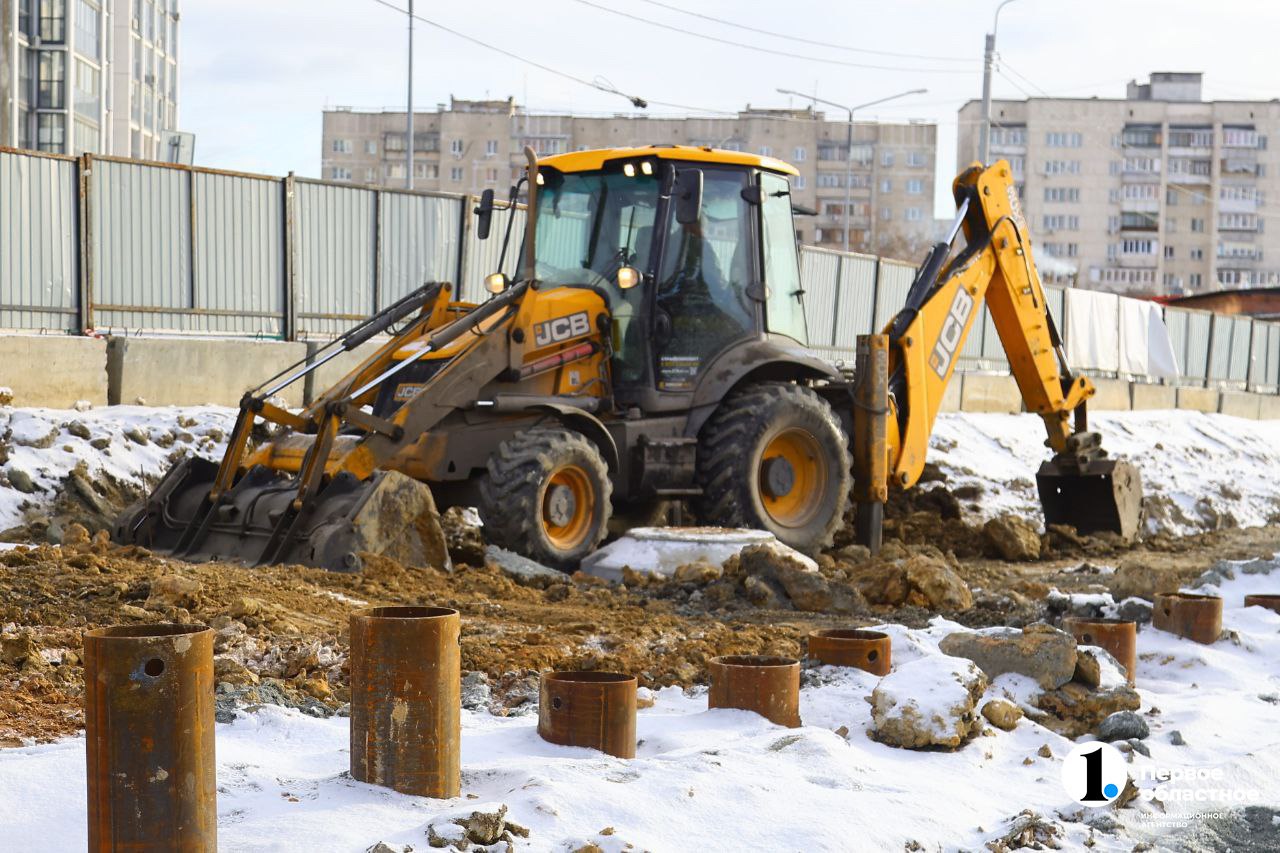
(590, 224)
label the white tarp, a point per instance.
(1162, 363)
(1092, 333)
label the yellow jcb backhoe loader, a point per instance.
(651, 347)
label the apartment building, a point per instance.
(470, 146)
(1160, 192)
(96, 76)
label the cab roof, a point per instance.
(589, 161)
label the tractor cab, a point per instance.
(692, 250)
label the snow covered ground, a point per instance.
(1199, 471)
(716, 780)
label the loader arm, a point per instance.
(919, 349)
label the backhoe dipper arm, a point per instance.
(925, 339)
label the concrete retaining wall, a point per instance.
(1240, 404)
(1198, 399)
(1144, 396)
(1112, 395)
(187, 371)
(983, 393)
(54, 371)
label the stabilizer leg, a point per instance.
(870, 449)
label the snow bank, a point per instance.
(1199, 471)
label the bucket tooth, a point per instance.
(1103, 495)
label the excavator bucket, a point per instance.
(1102, 495)
(388, 514)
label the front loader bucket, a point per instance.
(389, 514)
(1104, 495)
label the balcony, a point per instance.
(1240, 165)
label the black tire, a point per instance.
(742, 486)
(537, 478)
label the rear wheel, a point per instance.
(546, 495)
(774, 457)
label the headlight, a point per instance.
(628, 277)
(495, 283)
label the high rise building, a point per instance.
(1158, 193)
(470, 146)
(96, 76)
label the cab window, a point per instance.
(784, 309)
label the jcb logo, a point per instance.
(561, 329)
(944, 351)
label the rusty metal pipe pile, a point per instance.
(770, 686)
(406, 702)
(858, 647)
(592, 709)
(1118, 636)
(149, 738)
(1271, 602)
(1195, 617)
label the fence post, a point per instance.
(289, 321)
(84, 317)
(464, 244)
(377, 251)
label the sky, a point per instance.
(257, 74)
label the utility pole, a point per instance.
(408, 172)
(988, 59)
(848, 149)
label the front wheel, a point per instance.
(774, 457)
(546, 495)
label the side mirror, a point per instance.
(484, 215)
(688, 196)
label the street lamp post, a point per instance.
(988, 60)
(848, 150)
(409, 129)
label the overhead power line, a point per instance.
(769, 50)
(816, 43)
(594, 84)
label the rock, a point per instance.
(100, 443)
(28, 430)
(174, 591)
(75, 537)
(246, 606)
(134, 612)
(1002, 714)
(21, 480)
(79, 429)
(1073, 709)
(760, 593)
(1136, 579)
(928, 702)
(922, 580)
(1138, 746)
(1134, 610)
(800, 579)
(1095, 667)
(1038, 651)
(383, 847)
(1012, 538)
(6, 396)
(1175, 738)
(854, 554)
(1044, 751)
(137, 435)
(231, 671)
(441, 835)
(939, 586)
(461, 529)
(480, 828)
(1123, 725)
(21, 651)
(476, 693)
(522, 569)
(698, 573)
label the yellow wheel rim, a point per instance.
(793, 477)
(568, 505)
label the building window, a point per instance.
(490, 147)
(1061, 250)
(886, 213)
(1138, 247)
(53, 21)
(1062, 139)
(342, 146)
(798, 154)
(455, 174)
(1008, 136)
(88, 90)
(1197, 254)
(1168, 253)
(798, 182)
(341, 173)
(88, 29)
(886, 158)
(913, 214)
(1141, 165)
(830, 179)
(886, 186)
(51, 132)
(1197, 226)
(766, 151)
(1239, 137)
(51, 92)
(1195, 280)
(1062, 194)
(915, 186)
(371, 147)
(455, 147)
(393, 142)
(84, 137)
(1062, 167)
(1061, 222)
(395, 171)
(915, 158)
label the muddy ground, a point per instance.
(282, 635)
